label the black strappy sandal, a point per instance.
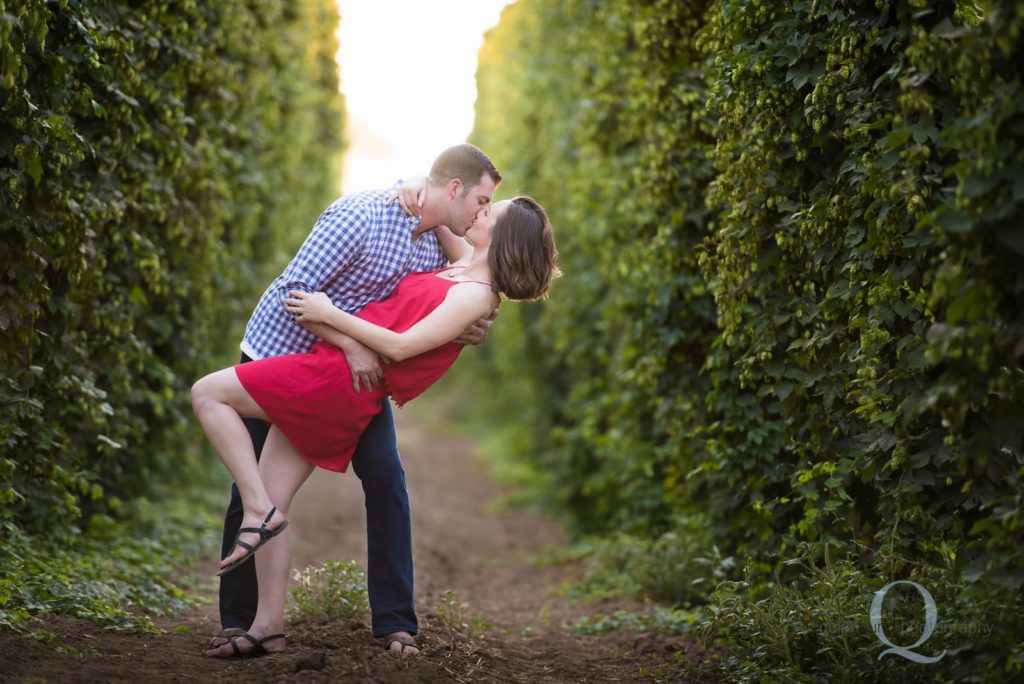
(257, 646)
(222, 637)
(266, 534)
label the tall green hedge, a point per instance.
(603, 124)
(154, 159)
(793, 250)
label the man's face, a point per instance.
(468, 203)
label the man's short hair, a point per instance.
(466, 162)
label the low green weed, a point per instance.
(454, 613)
(335, 590)
(678, 568)
(669, 620)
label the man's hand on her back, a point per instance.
(477, 332)
(410, 195)
(365, 366)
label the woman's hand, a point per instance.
(410, 195)
(308, 307)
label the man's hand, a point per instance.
(477, 332)
(365, 366)
(363, 362)
(410, 195)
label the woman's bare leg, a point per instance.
(284, 471)
(220, 402)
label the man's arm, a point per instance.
(330, 248)
(478, 329)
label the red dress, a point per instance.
(309, 397)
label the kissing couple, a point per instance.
(374, 280)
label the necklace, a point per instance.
(453, 275)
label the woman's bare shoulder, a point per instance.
(474, 294)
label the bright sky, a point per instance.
(408, 73)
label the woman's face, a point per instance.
(479, 233)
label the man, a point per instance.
(358, 250)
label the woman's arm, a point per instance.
(329, 334)
(363, 362)
(457, 249)
(464, 303)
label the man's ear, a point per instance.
(454, 186)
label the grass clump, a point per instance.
(678, 568)
(662, 619)
(336, 590)
(453, 613)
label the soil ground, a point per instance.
(461, 543)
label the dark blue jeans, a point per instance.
(388, 533)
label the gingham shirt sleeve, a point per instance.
(332, 246)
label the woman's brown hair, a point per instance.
(522, 255)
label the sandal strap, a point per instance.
(244, 635)
(265, 535)
(224, 636)
(262, 530)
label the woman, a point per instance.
(317, 416)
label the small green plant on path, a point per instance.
(668, 620)
(335, 590)
(454, 614)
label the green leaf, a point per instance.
(783, 390)
(897, 138)
(34, 168)
(955, 221)
(976, 185)
(1011, 234)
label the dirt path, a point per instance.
(460, 543)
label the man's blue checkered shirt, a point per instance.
(356, 253)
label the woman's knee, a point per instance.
(202, 393)
(213, 389)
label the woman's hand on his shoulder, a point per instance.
(308, 307)
(410, 195)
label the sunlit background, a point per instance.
(407, 71)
